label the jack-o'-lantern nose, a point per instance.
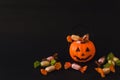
(82, 54)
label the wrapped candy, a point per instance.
(75, 37)
(67, 65)
(110, 56)
(58, 66)
(115, 59)
(112, 68)
(36, 64)
(43, 71)
(100, 61)
(53, 62)
(50, 68)
(83, 69)
(100, 71)
(45, 63)
(69, 39)
(53, 57)
(50, 58)
(106, 65)
(75, 66)
(111, 62)
(106, 70)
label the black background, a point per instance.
(31, 30)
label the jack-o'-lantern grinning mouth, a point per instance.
(82, 58)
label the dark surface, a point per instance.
(31, 30)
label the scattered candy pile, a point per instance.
(105, 65)
(75, 66)
(48, 64)
(109, 66)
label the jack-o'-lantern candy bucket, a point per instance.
(81, 48)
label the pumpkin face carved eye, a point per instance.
(87, 50)
(77, 50)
